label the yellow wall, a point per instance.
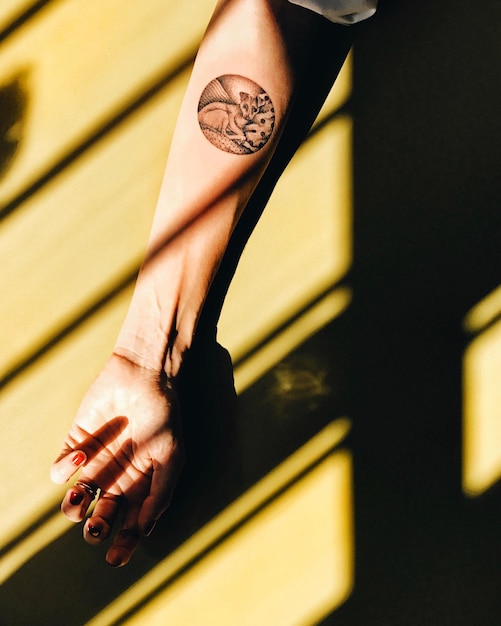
(103, 84)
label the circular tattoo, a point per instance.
(236, 114)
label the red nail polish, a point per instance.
(95, 530)
(76, 498)
(78, 458)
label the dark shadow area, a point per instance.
(13, 111)
(427, 233)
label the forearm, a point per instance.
(205, 187)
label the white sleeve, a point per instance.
(341, 11)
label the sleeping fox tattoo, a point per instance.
(229, 118)
(235, 119)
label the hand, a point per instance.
(126, 439)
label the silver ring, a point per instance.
(89, 489)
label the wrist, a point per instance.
(160, 323)
(160, 357)
(140, 352)
(148, 326)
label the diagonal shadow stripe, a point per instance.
(99, 303)
(224, 536)
(42, 519)
(22, 18)
(296, 315)
(120, 116)
(125, 281)
(187, 550)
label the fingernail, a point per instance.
(95, 529)
(148, 529)
(78, 458)
(76, 498)
(115, 562)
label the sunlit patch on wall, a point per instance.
(482, 397)
(13, 108)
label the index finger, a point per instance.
(63, 469)
(88, 445)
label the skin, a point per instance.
(126, 437)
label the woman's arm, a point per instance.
(126, 437)
(206, 187)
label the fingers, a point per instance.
(124, 546)
(145, 495)
(126, 540)
(78, 499)
(163, 482)
(86, 447)
(63, 469)
(98, 527)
